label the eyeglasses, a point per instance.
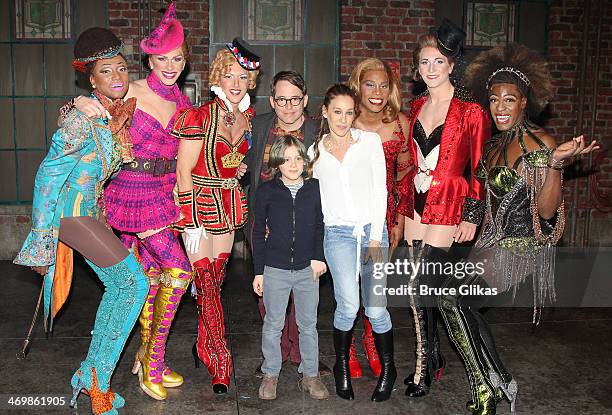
(295, 101)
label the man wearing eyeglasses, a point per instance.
(288, 100)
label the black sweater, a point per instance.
(295, 227)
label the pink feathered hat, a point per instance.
(167, 36)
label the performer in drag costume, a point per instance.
(522, 172)
(446, 135)
(379, 112)
(214, 140)
(140, 202)
(66, 216)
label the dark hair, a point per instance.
(293, 77)
(96, 41)
(89, 68)
(277, 152)
(484, 72)
(331, 93)
(94, 44)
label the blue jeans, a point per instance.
(277, 285)
(341, 255)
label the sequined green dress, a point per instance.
(515, 241)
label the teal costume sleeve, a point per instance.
(64, 154)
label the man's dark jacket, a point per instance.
(262, 126)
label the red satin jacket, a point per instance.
(466, 129)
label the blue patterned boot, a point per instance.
(126, 290)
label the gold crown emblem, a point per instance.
(232, 160)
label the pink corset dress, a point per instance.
(137, 201)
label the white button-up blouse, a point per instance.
(354, 191)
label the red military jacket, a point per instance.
(218, 202)
(466, 128)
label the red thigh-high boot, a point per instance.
(354, 366)
(203, 349)
(224, 359)
(370, 348)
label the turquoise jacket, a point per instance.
(69, 183)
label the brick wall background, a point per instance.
(389, 29)
(589, 197)
(123, 19)
(384, 29)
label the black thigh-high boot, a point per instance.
(469, 347)
(498, 374)
(388, 374)
(429, 361)
(342, 374)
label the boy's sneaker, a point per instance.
(267, 389)
(315, 387)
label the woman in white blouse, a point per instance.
(350, 166)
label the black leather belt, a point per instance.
(156, 167)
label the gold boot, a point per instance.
(175, 277)
(145, 365)
(152, 365)
(145, 318)
(171, 379)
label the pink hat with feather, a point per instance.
(167, 36)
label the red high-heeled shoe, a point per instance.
(223, 373)
(354, 366)
(370, 349)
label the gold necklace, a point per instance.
(330, 143)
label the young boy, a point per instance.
(288, 256)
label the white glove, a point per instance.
(192, 239)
